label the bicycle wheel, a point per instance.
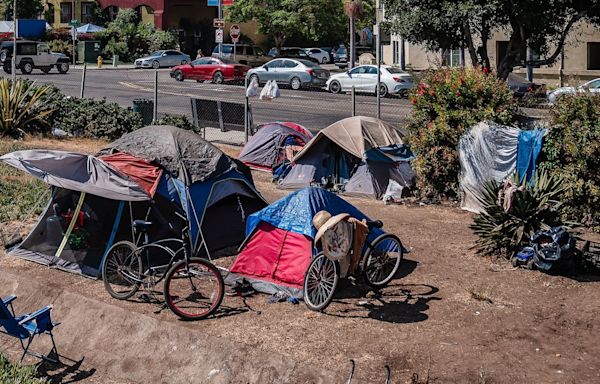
(320, 282)
(382, 260)
(193, 290)
(122, 270)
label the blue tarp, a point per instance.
(528, 150)
(295, 212)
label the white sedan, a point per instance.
(319, 54)
(393, 80)
(592, 86)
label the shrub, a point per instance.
(447, 102)
(572, 149)
(61, 46)
(21, 108)
(179, 121)
(537, 206)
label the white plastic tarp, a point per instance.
(487, 152)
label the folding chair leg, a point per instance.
(25, 349)
(53, 349)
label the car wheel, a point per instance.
(179, 75)
(255, 77)
(217, 78)
(26, 68)
(296, 83)
(46, 69)
(335, 87)
(3, 55)
(63, 67)
(155, 64)
(7, 68)
(183, 62)
(383, 90)
(324, 60)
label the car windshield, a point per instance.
(395, 70)
(341, 51)
(157, 53)
(593, 84)
(308, 63)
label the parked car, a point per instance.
(30, 55)
(319, 54)
(330, 51)
(164, 58)
(521, 86)
(393, 80)
(244, 54)
(297, 73)
(292, 53)
(592, 86)
(342, 55)
(210, 68)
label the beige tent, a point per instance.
(358, 156)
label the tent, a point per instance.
(279, 243)
(149, 174)
(90, 28)
(359, 156)
(490, 151)
(266, 149)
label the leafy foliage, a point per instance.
(448, 102)
(282, 19)
(26, 9)
(572, 149)
(13, 373)
(21, 108)
(537, 206)
(180, 121)
(61, 46)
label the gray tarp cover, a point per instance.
(77, 172)
(184, 154)
(487, 152)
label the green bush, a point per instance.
(447, 102)
(179, 121)
(572, 149)
(13, 373)
(22, 108)
(537, 206)
(61, 46)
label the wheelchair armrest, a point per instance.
(9, 299)
(35, 315)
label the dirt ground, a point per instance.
(450, 316)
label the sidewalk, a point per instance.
(107, 66)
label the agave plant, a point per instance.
(21, 107)
(536, 206)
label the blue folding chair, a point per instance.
(26, 327)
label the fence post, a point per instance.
(353, 101)
(378, 54)
(83, 81)
(246, 107)
(155, 116)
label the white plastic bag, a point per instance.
(265, 94)
(274, 90)
(252, 90)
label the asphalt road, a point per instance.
(314, 109)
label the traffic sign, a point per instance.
(218, 23)
(213, 3)
(74, 23)
(218, 35)
(234, 31)
(226, 2)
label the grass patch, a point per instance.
(22, 195)
(11, 373)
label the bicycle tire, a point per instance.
(182, 300)
(121, 260)
(384, 243)
(320, 281)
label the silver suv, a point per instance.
(30, 55)
(244, 54)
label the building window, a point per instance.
(66, 13)
(451, 58)
(395, 52)
(86, 13)
(593, 56)
(111, 12)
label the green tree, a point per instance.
(448, 24)
(283, 19)
(26, 9)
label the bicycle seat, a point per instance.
(375, 224)
(142, 225)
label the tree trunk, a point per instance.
(484, 56)
(470, 45)
(278, 39)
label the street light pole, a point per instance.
(14, 54)
(74, 31)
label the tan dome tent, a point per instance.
(358, 156)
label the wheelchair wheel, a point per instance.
(320, 282)
(382, 260)
(122, 270)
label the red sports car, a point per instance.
(210, 68)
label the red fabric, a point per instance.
(275, 255)
(298, 128)
(141, 171)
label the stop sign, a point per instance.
(234, 31)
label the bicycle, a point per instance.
(193, 287)
(378, 264)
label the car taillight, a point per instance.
(310, 72)
(399, 80)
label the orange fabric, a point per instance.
(361, 230)
(141, 171)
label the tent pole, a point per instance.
(113, 233)
(65, 239)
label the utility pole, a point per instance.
(74, 31)
(14, 54)
(378, 19)
(220, 16)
